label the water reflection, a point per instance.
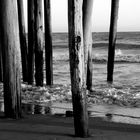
(108, 113)
(114, 113)
(36, 109)
(1, 107)
(123, 119)
(29, 108)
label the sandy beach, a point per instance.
(46, 127)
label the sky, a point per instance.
(129, 15)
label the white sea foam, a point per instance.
(118, 52)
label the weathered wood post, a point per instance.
(87, 34)
(23, 43)
(11, 54)
(48, 42)
(77, 68)
(112, 39)
(39, 37)
(1, 63)
(31, 40)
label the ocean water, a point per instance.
(127, 62)
(106, 98)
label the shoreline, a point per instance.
(36, 127)
(109, 113)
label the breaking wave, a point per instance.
(97, 58)
(118, 59)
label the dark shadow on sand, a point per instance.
(35, 132)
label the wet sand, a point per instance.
(40, 127)
(110, 113)
(106, 123)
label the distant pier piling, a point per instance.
(112, 39)
(77, 68)
(23, 43)
(1, 66)
(1, 61)
(39, 38)
(31, 40)
(11, 55)
(87, 34)
(48, 42)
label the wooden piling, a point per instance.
(87, 34)
(11, 54)
(48, 43)
(31, 40)
(23, 43)
(112, 39)
(1, 63)
(39, 37)
(77, 68)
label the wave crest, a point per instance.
(103, 58)
(118, 58)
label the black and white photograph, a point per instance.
(69, 69)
